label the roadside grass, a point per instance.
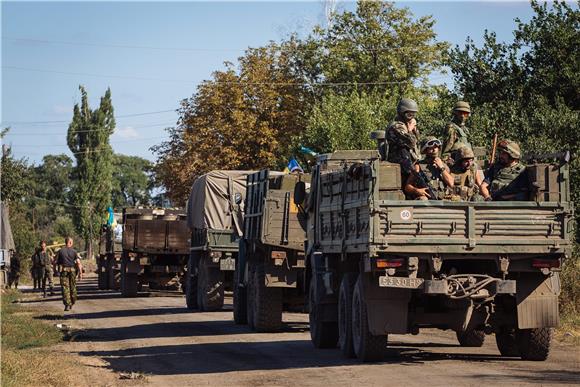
(569, 330)
(27, 359)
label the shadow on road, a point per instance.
(246, 356)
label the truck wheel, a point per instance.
(210, 287)
(534, 344)
(367, 346)
(323, 334)
(471, 338)
(345, 314)
(101, 275)
(129, 284)
(190, 286)
(506, 342)
(240, 299)
(267, 303)
(250, 296)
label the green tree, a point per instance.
(88, 139)
(131, 183)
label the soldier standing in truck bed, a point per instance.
(506, 179)
(457, 133)
(403, 137)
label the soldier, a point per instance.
(403, 136)
(14, 274)
(432, 171)
(70, 266)
(456, 132)
(46, 263)
(36, 270)
(467, 177)
(507, 179)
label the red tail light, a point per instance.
(546, 263)
(390, 263)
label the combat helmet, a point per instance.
(430, 141)
(407, 105)
(462, 106)
(464, 152)
(511, 148)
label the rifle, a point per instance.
(420, 176)
(493, 149)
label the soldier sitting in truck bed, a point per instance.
(467, 177)
(507, 179)
(431, 177)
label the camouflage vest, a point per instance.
(433, 176)
(461, 132)
(501, 177)
(464, 183)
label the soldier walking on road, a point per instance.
(70, 266)
(14, 275)
(36, 271)
(457, 134)
(46, 263)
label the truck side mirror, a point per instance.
(299, 193)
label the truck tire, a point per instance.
(250, 296)
(267, 303)
(323, 334)
(506, 342)
(471, 338)
(367, 346)
(210, 287)
(240, 299)
(190, 286)
(345, 314)
(534, 344)
(129, 284)
(101, 278)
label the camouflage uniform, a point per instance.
(433, 176)
(403, 145)
(508, 180)
(36, 270)
(14, 275)
(68, 281)
(46, 274)
(464, 180)
(456, 132)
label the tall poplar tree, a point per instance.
(88, 139)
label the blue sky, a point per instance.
(153, 54)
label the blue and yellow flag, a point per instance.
(293, 166)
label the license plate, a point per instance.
(227, 264)
(401, 282)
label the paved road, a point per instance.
(154, 335)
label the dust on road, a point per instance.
(154, 340)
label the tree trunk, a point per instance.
(89, 247)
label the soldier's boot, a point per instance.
(66, 308)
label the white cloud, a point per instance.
(126, 132)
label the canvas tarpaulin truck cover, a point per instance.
(212, 201)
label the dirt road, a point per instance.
(162, 343)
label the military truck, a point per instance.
(215, 220)
(270, 270)
(110, 253)
(155, 249)
(380, 264)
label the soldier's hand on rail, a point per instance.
(423, 192)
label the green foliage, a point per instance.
(15, 176)
(88, 139)
(527, 90)
(131, 183)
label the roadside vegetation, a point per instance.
(28, 356)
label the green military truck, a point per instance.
(215, 220)
(155, 249)
(270, 271)
(380, 264)
(110, 253)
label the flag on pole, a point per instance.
(293, 166)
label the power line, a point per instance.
(91, 130)
(197, 49)
(112, 142)
(314, 84)
(65, 121)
